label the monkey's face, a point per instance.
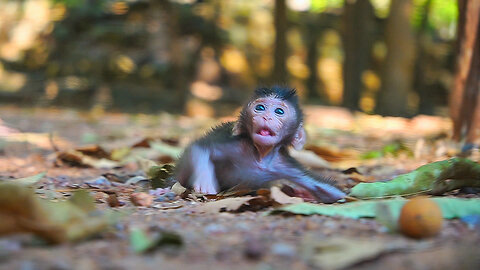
(271, 120)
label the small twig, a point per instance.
(52, 143)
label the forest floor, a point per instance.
(374, 148)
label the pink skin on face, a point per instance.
(268, 122)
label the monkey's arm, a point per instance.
(195, 170)
(322, 188)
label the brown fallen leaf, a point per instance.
(77, 158)
(309, 159)
(330, 154)
(361, 178)
(234, 205)
(145, 143)
(113, 201)
(94, 151)
(281, 198)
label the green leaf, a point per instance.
(83, 200)
(433, 178)
(23, 211)
(372, 155)
(166, 149)
(139, 241)
(384, 216)
(451, 208)
(29, 181)
(160, 176)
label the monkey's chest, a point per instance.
(231, 172)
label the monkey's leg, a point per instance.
(203, 178)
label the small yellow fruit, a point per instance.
(420, 217)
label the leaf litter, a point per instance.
(236, 220)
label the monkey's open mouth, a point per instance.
(265, 132)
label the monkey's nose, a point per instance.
(267, 118)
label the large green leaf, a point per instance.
(451, 208)
(433, 178)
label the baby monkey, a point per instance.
(253, 151)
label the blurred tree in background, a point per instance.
(465, 99)
(393, 57)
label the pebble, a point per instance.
(160, 199)
(214, 229)
(254, 249)
(283, 249)
(99, 182)
(141, 199)
(170, 195)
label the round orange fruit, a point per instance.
(420, 217)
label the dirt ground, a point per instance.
(245, 240)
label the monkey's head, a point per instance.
(272, 117)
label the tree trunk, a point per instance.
(357, 43)
(465, 99)
(315, 24)
(178, 81)
(397, 69)
(425, 92)
(312, 58)
(280, 54)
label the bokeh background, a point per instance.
(203, 58)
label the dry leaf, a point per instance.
(361, 178)
(178, 189)
(113, 201)
(94, 151)
(76, 158)
(278, 196)
(330, 154)
(145, 164)
(309, 159)
(22, 211)
(342, 252)
(234, 205)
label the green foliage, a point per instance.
(444, 15)
(322, 5)
(391, 149)
(451, 208)
(69, 3)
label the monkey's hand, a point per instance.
(322, 188)
(205, 183)
(326, 193)
(203, 179)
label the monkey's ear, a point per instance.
(300, 138)
(236, 128)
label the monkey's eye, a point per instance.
(279, 111)
(260, 108)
